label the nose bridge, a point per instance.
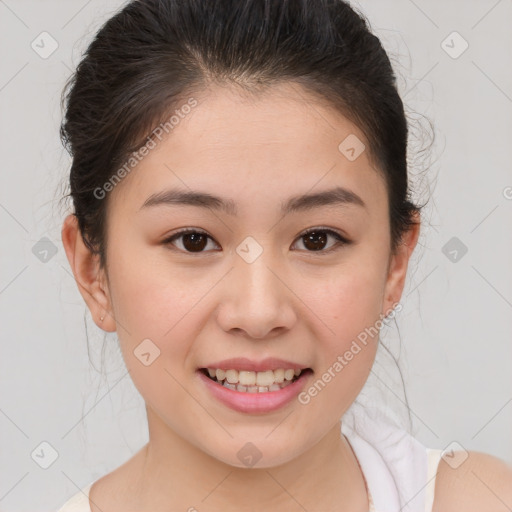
(260, 287)
(256, 300)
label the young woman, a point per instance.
(242, 220)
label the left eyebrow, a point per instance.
(335, 196)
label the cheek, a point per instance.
(351, 301)
(350, 305)
(150, 296)
(156, 315)
(345, 356)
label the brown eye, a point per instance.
(315, 240)
(191, 240)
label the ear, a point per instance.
(91, 281)
(398, 262)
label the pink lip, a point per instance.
(242, 363)
(255, 402)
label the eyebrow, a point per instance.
(299, 203)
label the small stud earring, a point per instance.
(102, 318)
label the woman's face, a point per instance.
(252, 286)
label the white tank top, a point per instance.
(399, 472)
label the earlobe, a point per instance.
(88, 275)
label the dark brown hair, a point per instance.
(152, 54)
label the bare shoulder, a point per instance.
(481, 482)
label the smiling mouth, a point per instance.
(254, 382)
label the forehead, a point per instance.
(251, 149)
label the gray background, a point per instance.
(454, 331)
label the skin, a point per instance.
(482, 482)
(291, 302)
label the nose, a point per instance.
(256, 301)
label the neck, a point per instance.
(185, 476)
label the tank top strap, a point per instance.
(79, 502)
(382, 491)
(396, 466)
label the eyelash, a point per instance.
(342, 241)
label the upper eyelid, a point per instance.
(184, 231)
(331, 231)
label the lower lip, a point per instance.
(255, 402)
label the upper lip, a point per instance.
(242, 363)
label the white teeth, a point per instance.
(232, 376)
(256, 389)
(247, 378)
(265, 378)
(279, 375)
(289, 374)
(254, 382)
